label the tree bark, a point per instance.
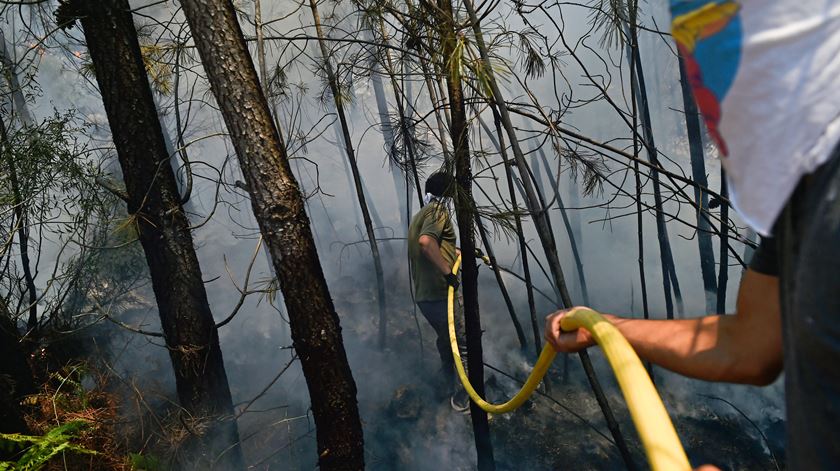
(280, 212)
(163, 228)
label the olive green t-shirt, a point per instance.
(433, 220)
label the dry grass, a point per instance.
(62, 399)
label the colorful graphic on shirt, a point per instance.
(708, 35)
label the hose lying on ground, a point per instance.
(659, 439)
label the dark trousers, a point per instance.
(436, 314)
(808, 237)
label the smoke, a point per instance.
(407, 419)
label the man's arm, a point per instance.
(742, 348)
(431, 250)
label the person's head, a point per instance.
(438, 184)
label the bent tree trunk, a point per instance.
(280, 212)
(154, 203)
(357, 178)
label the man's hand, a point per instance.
(452, 280)
(562, 341)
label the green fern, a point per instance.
(39, 450)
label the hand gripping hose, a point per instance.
(660, 441)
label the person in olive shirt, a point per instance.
(432, 251)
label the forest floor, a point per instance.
(407, 419)
(411, 426)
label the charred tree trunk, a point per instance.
(640, 238)
(465, 209)
(279, 209)
(17, 101)
(15, 376)
(357, 178)
(723, 273)
(669, 276)
(701, 199)
(163, 229)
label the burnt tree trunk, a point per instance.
(15, 104)
(464, 207)
(701, 199)
(670, 283)
(637, 175)
(514, 209)
(15, 377)
(163, 228)
(723, 269)
(280, 212)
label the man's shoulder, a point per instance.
(434, 209)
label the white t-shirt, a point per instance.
(766, 77)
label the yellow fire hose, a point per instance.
(662, 446)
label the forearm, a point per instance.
(700, 348)
(745, 347)
(704, 348)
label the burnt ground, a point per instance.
(410, 426)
